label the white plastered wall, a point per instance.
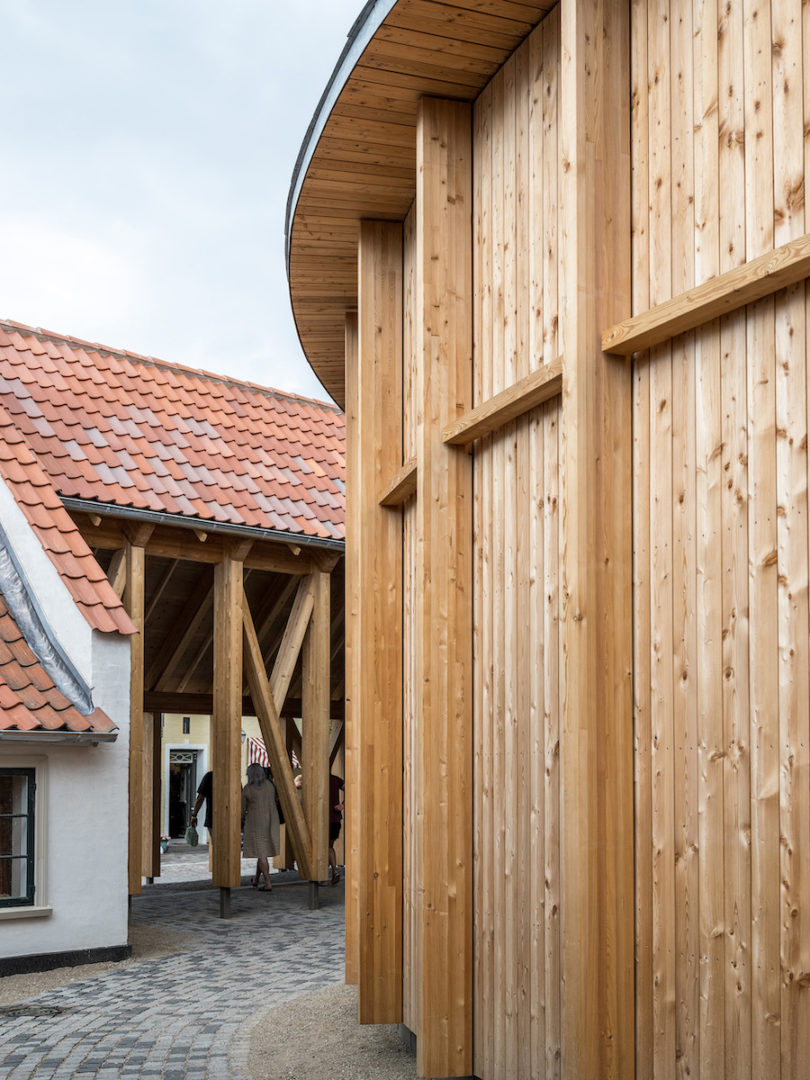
(82, 793)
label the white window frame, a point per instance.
(40, 906)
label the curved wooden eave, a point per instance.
(358, 159)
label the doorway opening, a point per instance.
(182, 789)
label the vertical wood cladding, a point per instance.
(720, 108)
(516, 635)
(411, 939)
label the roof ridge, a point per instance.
(226, 380)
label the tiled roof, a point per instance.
(62, 541)
(29, 701)
(135, 432)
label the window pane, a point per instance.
(16, 835)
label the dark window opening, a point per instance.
(17, 794)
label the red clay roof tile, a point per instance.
(58, 534)
(103, 416)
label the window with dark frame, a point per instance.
(17, 800)
(186, 725)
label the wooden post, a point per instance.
(135, 577)
(285, 857)
(378, 694)
(596, 751)
(150, 836)
(315, 682)
(444, 566)
(352, 777)
(274, 739)
(226, 722)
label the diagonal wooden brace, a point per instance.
(265, 703)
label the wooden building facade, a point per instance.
(553, 258)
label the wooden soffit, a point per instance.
(358, 158)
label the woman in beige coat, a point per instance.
(259, 822)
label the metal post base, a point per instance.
(224, 903)
(314, 896)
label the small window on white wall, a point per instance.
(17, 836)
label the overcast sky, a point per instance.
(149, 146)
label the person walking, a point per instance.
(259, 823)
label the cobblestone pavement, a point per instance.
(187, 1016)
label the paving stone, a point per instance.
(187, 1016)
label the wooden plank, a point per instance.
(596, 754)
(483, 924)
(762, 554)
(337, 740)
(380, 663)
(268, 615)
(226, 723)
(686, 643)
(291, 642)
(736, 995)
(315, 682)
(160, 588)
(519, 398)
(117, 571)
(285, 860)
(663, 767)
(444, 526)
(274, 738)
(410, 690)
(788, 75)
(352, 655)
(401, 487)
(167, 660)
(149, 847)
(507, 943)
(547, 1047)
(759, 277)
(642, 590)
(134, 592)
(711, 976)
(497, 381)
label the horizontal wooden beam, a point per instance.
(758, 278)
(401, 486)
(538, 386)
(202, 705)
(182, 543)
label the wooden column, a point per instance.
(150, 836)
(134, 593)
(444, 569)
(596, 749)
(378, 695)
(226, 722)
(353, 630)
(315, 685)
(286, 858)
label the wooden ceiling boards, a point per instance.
(358, 158)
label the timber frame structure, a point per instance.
(554, 259)
(212, 607)
(215, 508)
